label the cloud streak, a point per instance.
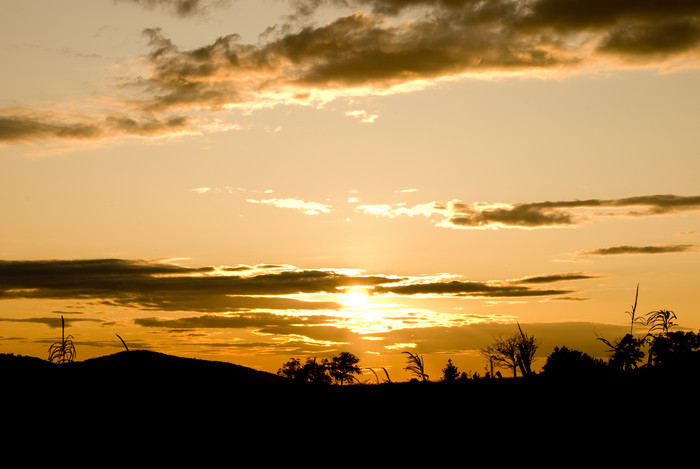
(20, 127)
(182, 8)
(307, 208)
(656, 249)
(547, 214)
(162, 286)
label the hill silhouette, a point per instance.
(139, 385)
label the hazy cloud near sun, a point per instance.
(159, 285)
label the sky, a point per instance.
(255, 180)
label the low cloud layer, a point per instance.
(154, 285)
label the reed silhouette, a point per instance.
(416, 366)
(63, 351)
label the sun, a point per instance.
(355, 298)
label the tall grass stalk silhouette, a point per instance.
(123, 343)
(416, 366)
(63, 351)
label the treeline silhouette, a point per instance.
(658, 363)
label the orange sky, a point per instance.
(213, 178)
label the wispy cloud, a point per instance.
(308, 208)
(25, 126)
(363, 116)
(183, 8)
(655, 249)
(546, 214)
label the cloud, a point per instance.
(490, 289)
(21, 127)
(367, 50)
(556, 278)
(53, 323)
(157, 285)
(467, 289)
(308, 208)
(183, 8)
(575, 335)
(237, 321)
(657, 249)
(164, 286)
(380, 47)
(363, 116)
(546, 214)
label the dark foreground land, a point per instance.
(142, 389)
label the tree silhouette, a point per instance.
(450, 372)
(416, 366)
(568, 362)
(63, 351)
(291, 369)
(625, 353)
(527, 346)
(674, 349)
(343, 367)
(503, 353)
(516, 352)
(340, 368)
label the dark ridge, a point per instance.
(137, 389)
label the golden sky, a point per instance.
(251, 181)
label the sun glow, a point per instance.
(355, 299)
